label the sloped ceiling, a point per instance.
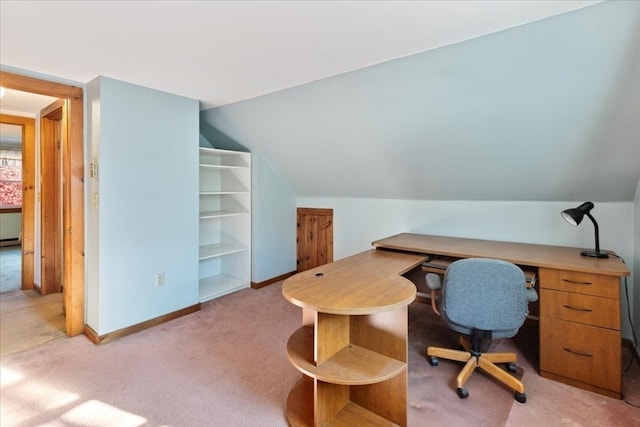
(225, 51)
(545, 111)
(541, 111)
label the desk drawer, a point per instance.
(584, 353)
(578, 282)
(585, 309)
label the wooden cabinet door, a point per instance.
(314, 237)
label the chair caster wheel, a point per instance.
(511, 367)
(433, 361)
(520, 397)
(462, 393)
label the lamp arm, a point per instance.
(595, 225)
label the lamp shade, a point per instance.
(574, 217)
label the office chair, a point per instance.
(481, 299)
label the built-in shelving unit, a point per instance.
(225, 222)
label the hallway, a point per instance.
(27, 319)
(10, 274)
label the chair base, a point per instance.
(485, 361)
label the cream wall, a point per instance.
(357, 222)
(10, 225)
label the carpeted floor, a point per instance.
(432, 389)
(226, 365)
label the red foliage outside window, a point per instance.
(10, 179)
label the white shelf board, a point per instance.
(213, 193)
(212, 157)
(209, 166)
(223, 248)
(216, 286)
(222, 152)
(220, 214)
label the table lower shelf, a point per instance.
(300, 410)
(353, 365)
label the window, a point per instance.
(10, 179)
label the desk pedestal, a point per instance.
(580, 342)
(352, 346)
(360, 373)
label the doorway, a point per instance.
(11, 178)
(22, 210)
(28, 317)
(72, 194)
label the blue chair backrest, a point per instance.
(485, 294)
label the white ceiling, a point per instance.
(221, 52)
(17, 103)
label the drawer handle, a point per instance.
(570, 307)
(579, 353)
(576, 282)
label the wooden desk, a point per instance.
(352, 346)
(580, 341)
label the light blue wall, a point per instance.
(273, 223)
(146, 145)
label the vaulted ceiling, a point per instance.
(464, 100)
(225, 51)
(545, 111)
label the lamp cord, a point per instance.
(626, 291)
(634, 351)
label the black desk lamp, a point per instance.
(574, 217)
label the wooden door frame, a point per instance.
(52, 139)
(73, 191)
(28, 196)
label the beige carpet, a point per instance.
(432, 390)
(226, 365)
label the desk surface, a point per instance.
(524, 254)
(366, 283)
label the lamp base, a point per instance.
(594, 254)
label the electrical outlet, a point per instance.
(159, 279)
